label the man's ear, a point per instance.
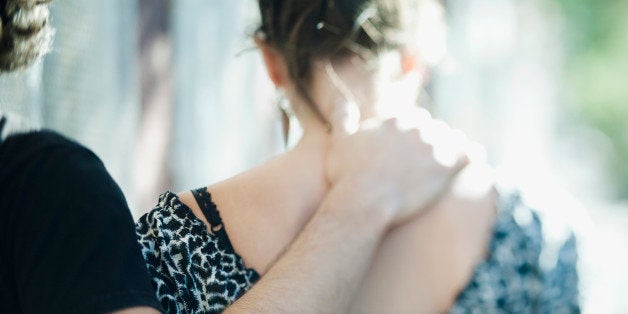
(274, 62)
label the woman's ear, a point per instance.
(410, 61)
(411, 66)
(274, 62)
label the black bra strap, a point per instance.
(204, 200)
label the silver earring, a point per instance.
(286, 114)
(283, 104)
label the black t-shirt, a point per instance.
(67, 238)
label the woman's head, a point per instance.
(24, 32)
(342, 33)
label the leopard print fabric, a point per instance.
(526, 271)
(192, 270)
(531, 267)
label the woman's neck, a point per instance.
(301, 173)
(271, 202)
(265, 208)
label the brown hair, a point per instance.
(24, 32)
(303, 31)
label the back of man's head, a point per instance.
(25, 35)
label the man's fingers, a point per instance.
(463, 162)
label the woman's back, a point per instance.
(328, 59)
(423, 265)
(481, 255)
(477, 252)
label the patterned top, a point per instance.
(526, 271)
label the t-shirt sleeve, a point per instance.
(74, 245)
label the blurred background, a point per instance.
(172, 95)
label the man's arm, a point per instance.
(379, 177)
(324, 266)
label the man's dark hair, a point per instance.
(24, 32)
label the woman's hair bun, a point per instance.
(24, 32)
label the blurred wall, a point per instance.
(170, 97)
(90, 82)
(224, 111)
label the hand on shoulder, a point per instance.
(392, 164)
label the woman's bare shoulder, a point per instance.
(426, 262)
(250, 205)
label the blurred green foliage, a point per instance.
(596, 74)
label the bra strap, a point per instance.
(204, 200)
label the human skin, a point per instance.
(279, 214)
(323, 267)
(365, 198)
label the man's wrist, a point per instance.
(363, 204)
